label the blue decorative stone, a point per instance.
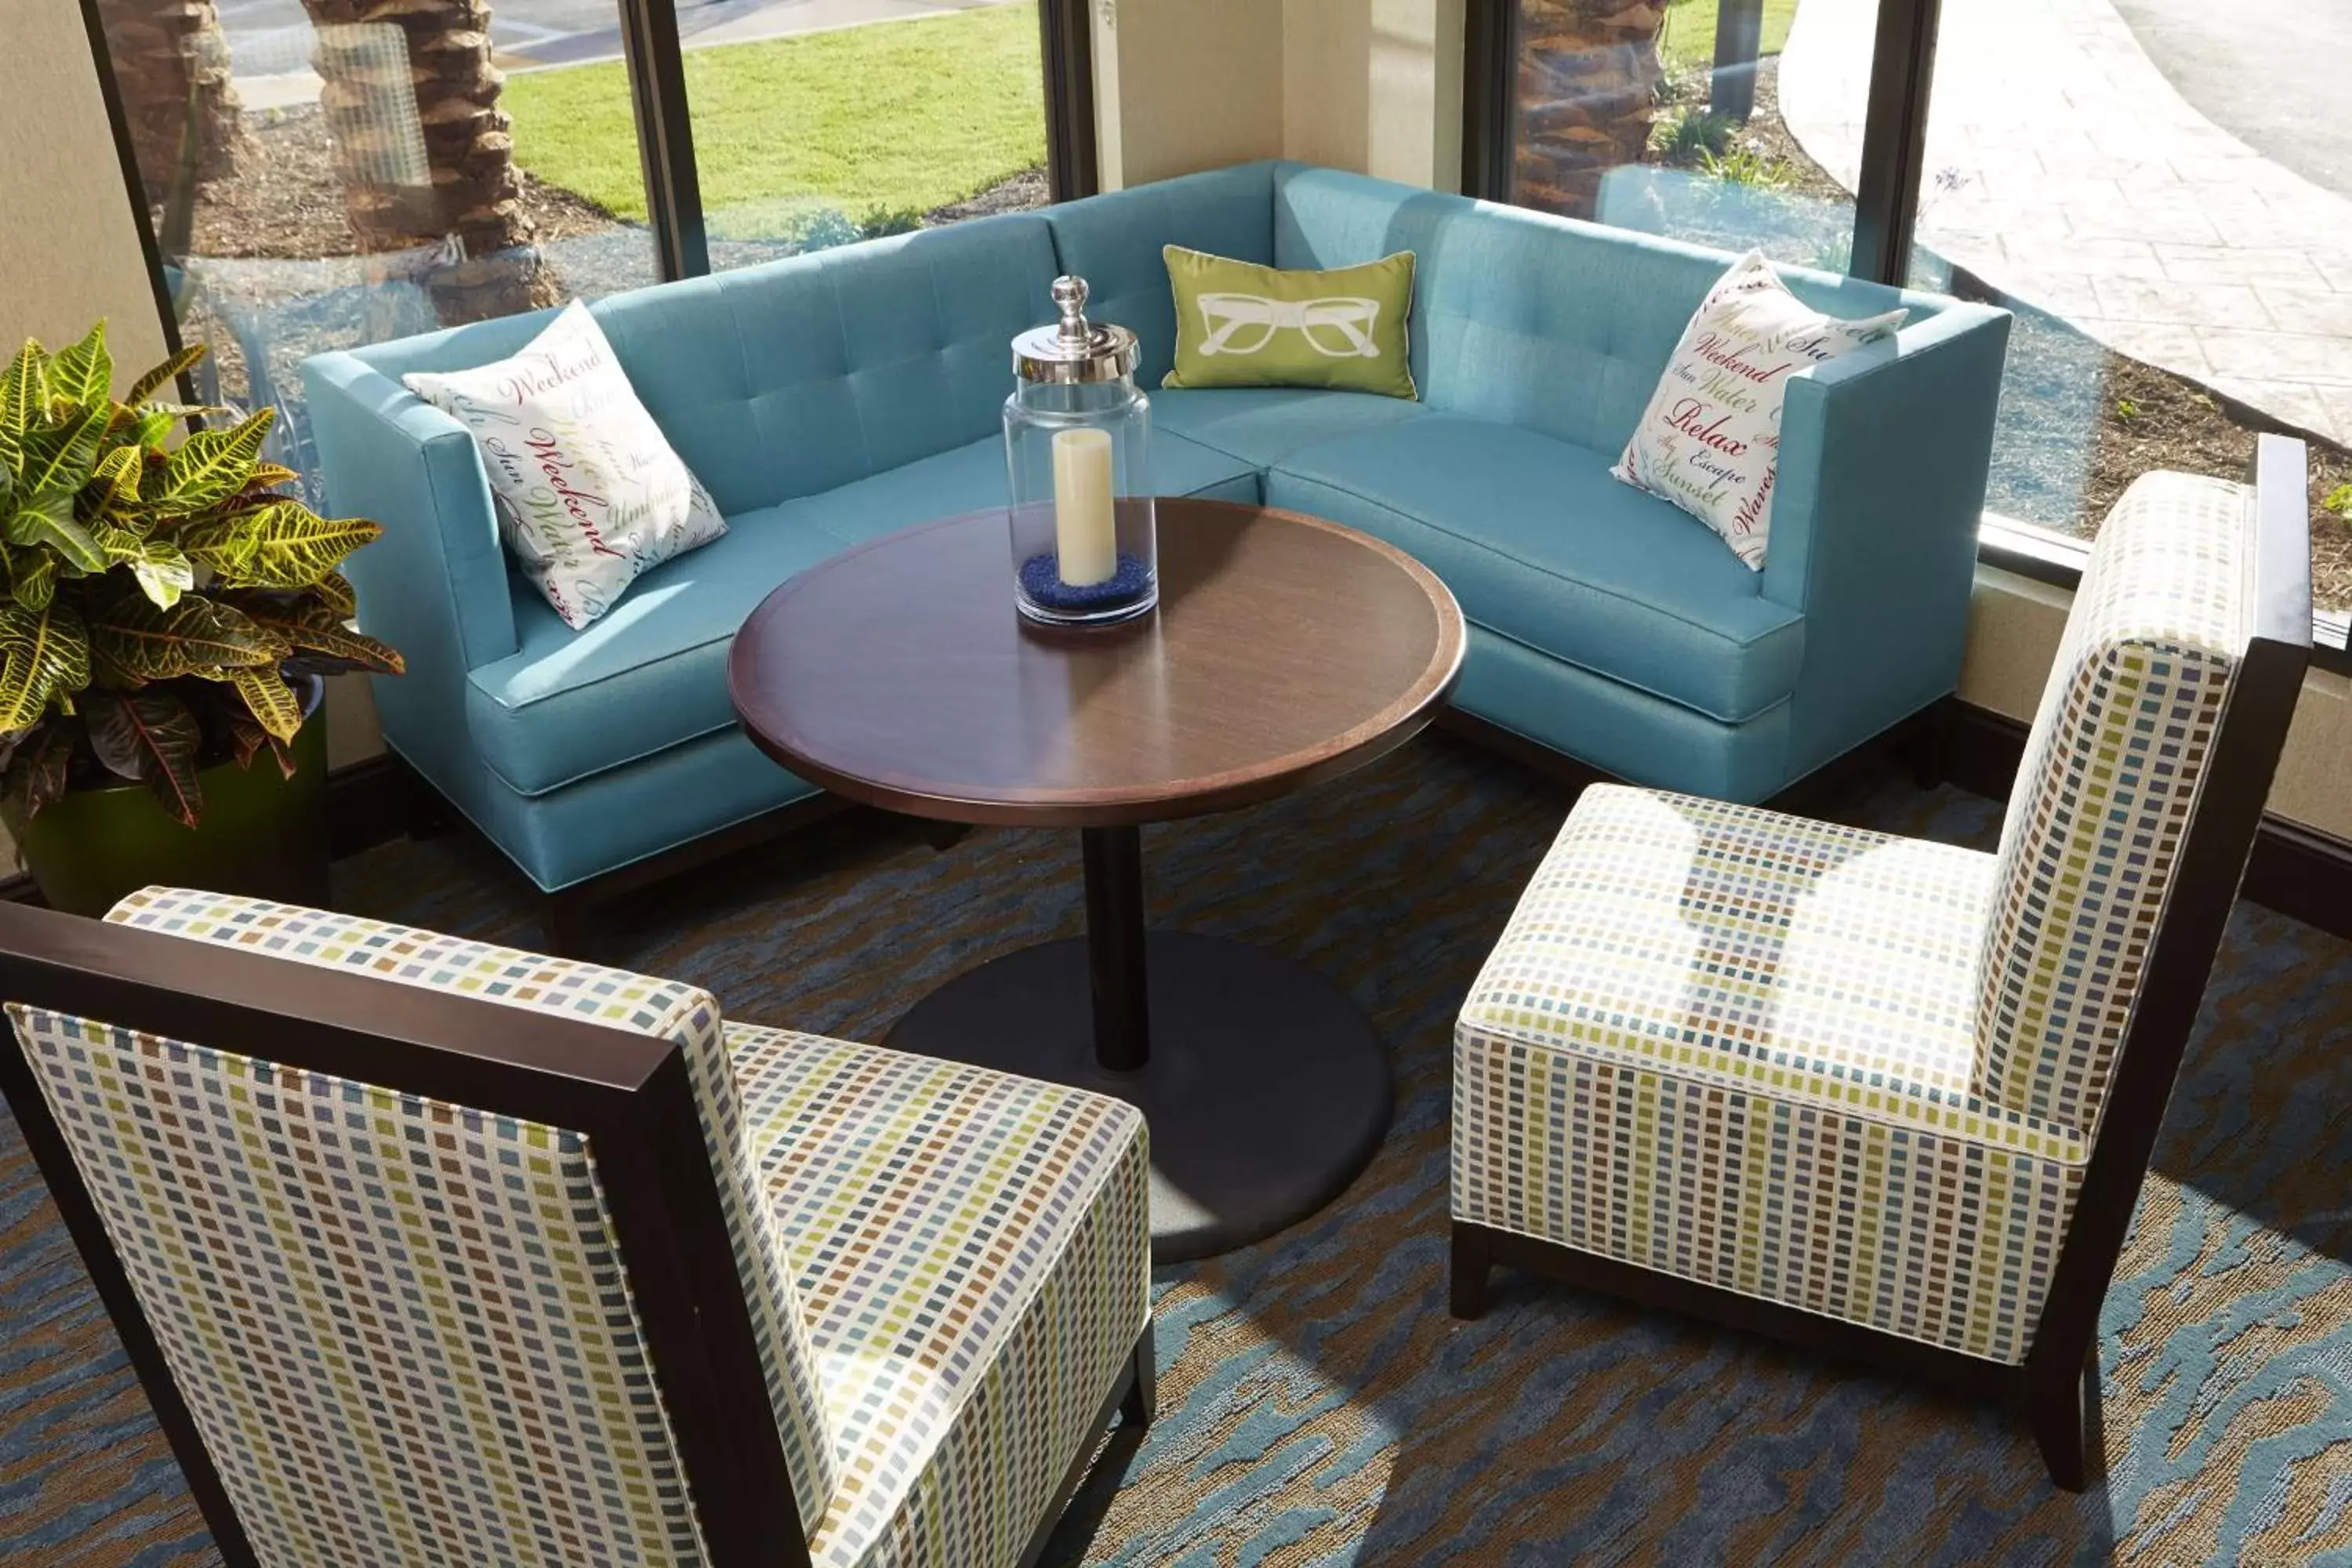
(1041, 580)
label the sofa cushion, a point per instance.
(652, 673)
(1543, 547)
(590, 494)
(1263, 425)
(1113, 242)
(1240, 324)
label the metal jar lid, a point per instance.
(1073, 349)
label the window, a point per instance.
(317, 182)
(2143, 185)
(1668, 120)
(806, 139)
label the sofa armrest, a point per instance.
(1882, 482)
(391, 455)
(435, 586)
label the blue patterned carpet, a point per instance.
(1317, 1405)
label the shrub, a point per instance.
(1748, 166)
(1689, 133)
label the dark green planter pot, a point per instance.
(263, 835)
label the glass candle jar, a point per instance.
(1077, 451)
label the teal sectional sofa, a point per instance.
(839, 396)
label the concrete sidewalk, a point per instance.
(2065, 170)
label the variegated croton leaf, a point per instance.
(150, 736)
(279, 544)
(159, 588)
(38, 770)
(315, 633)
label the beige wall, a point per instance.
(1375, 85)
(1181, 85)
(69, 245)
(2014, 623)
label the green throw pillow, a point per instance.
(1240, 324)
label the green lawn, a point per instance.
(894, 116)
(1688, 41)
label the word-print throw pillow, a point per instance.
(1710, 440)
(589, 492)
(1240, 324)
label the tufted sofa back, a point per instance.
(1534, 320)
(786, 379)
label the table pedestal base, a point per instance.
(1265, 1088)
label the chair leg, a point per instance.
(1472, 1262)
(2065, 1408)
(1142, 1401)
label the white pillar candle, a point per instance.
(1085, 539)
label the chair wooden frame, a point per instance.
(2058, 1383)
(627, 1093)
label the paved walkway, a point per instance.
(2066, 171)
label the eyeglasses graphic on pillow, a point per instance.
(1338, 326)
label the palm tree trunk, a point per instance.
(424, 148)
(1588, 71)
(171, 70)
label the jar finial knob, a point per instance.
(1070, 299)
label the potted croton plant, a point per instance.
(167, 616)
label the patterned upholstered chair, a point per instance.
(432, 1252)
(1890, 1098)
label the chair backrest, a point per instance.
(2164, 715)
(424, 1250)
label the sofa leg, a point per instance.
(1142, 1401)
(2062, 1399)
(566, 924)
(1472, 1262)
(1928, 747)
(424, 813)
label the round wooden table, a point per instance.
(1286, 650)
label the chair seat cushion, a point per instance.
(1263, 425)
(652, 672)
(1757, 951)
(974, 1254)
(1542, 546)
(1739, 1048)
